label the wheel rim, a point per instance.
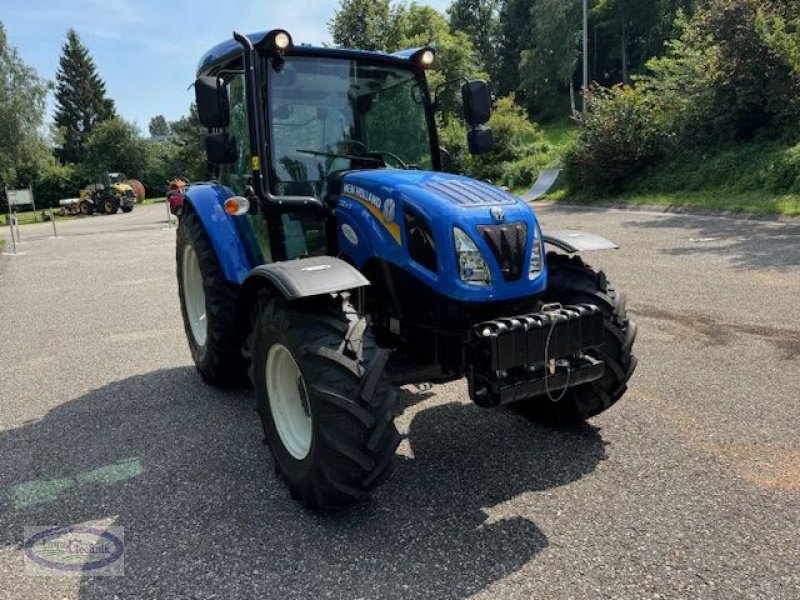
(288, 401)
(194, 296)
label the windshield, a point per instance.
(117, 178)
(333, 114)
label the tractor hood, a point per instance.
(378, 209)
(421, 188)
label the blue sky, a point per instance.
(145, 50)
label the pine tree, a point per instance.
(81, 100)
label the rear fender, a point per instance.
(206, 200)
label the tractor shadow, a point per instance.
(182, 468)
(746, 243)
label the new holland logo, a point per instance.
(388, 210)
(498, 214)
(383, 209)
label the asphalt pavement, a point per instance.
(688, 488)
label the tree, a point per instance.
(627, 33)
(158, 126)
(183, 154)
(81, 101)
(22, 104)
(782, 35)
(114, 145)
(408, 26)
(550, 65)
(515, 35)
(190, 139)
(362, 24)
(479, 19)
(752, 83)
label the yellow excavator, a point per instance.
(107, 194)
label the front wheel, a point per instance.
(324, 405)
(571, 281)
(208, 306)
(109, 204)
(127, 209)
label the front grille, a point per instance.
(129, 193)
(507, 243)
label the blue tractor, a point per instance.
(333, 261)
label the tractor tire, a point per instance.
(109, 204)
(571, 281)
(85, 207)
(208, 306)
(326, 410)
(127, 209)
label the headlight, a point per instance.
(472, 267)
(536, 255)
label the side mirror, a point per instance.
(221, 148)
(212, 102)
(477, 102)
(480, 140)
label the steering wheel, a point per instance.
(362, 145)
(396, 159)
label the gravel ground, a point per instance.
(688, 488)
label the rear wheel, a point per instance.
(85, 207)
(571, 281)
(208, 305)
(324, 405)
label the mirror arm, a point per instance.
(444, 85)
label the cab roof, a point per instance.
(225, 53)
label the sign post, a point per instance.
(16, 227)
(33, 202)
(169, 215)
(53, 221)
(585, 51)
(11, 227)
(19, 198)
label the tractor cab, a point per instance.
(116, 180)
(322, 113)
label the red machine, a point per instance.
(175, 194)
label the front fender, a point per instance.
(207, 199)
(306, 277)
(294, 280)
(572, 241)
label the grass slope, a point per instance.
(756, 177)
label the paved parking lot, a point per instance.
(689, 488)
